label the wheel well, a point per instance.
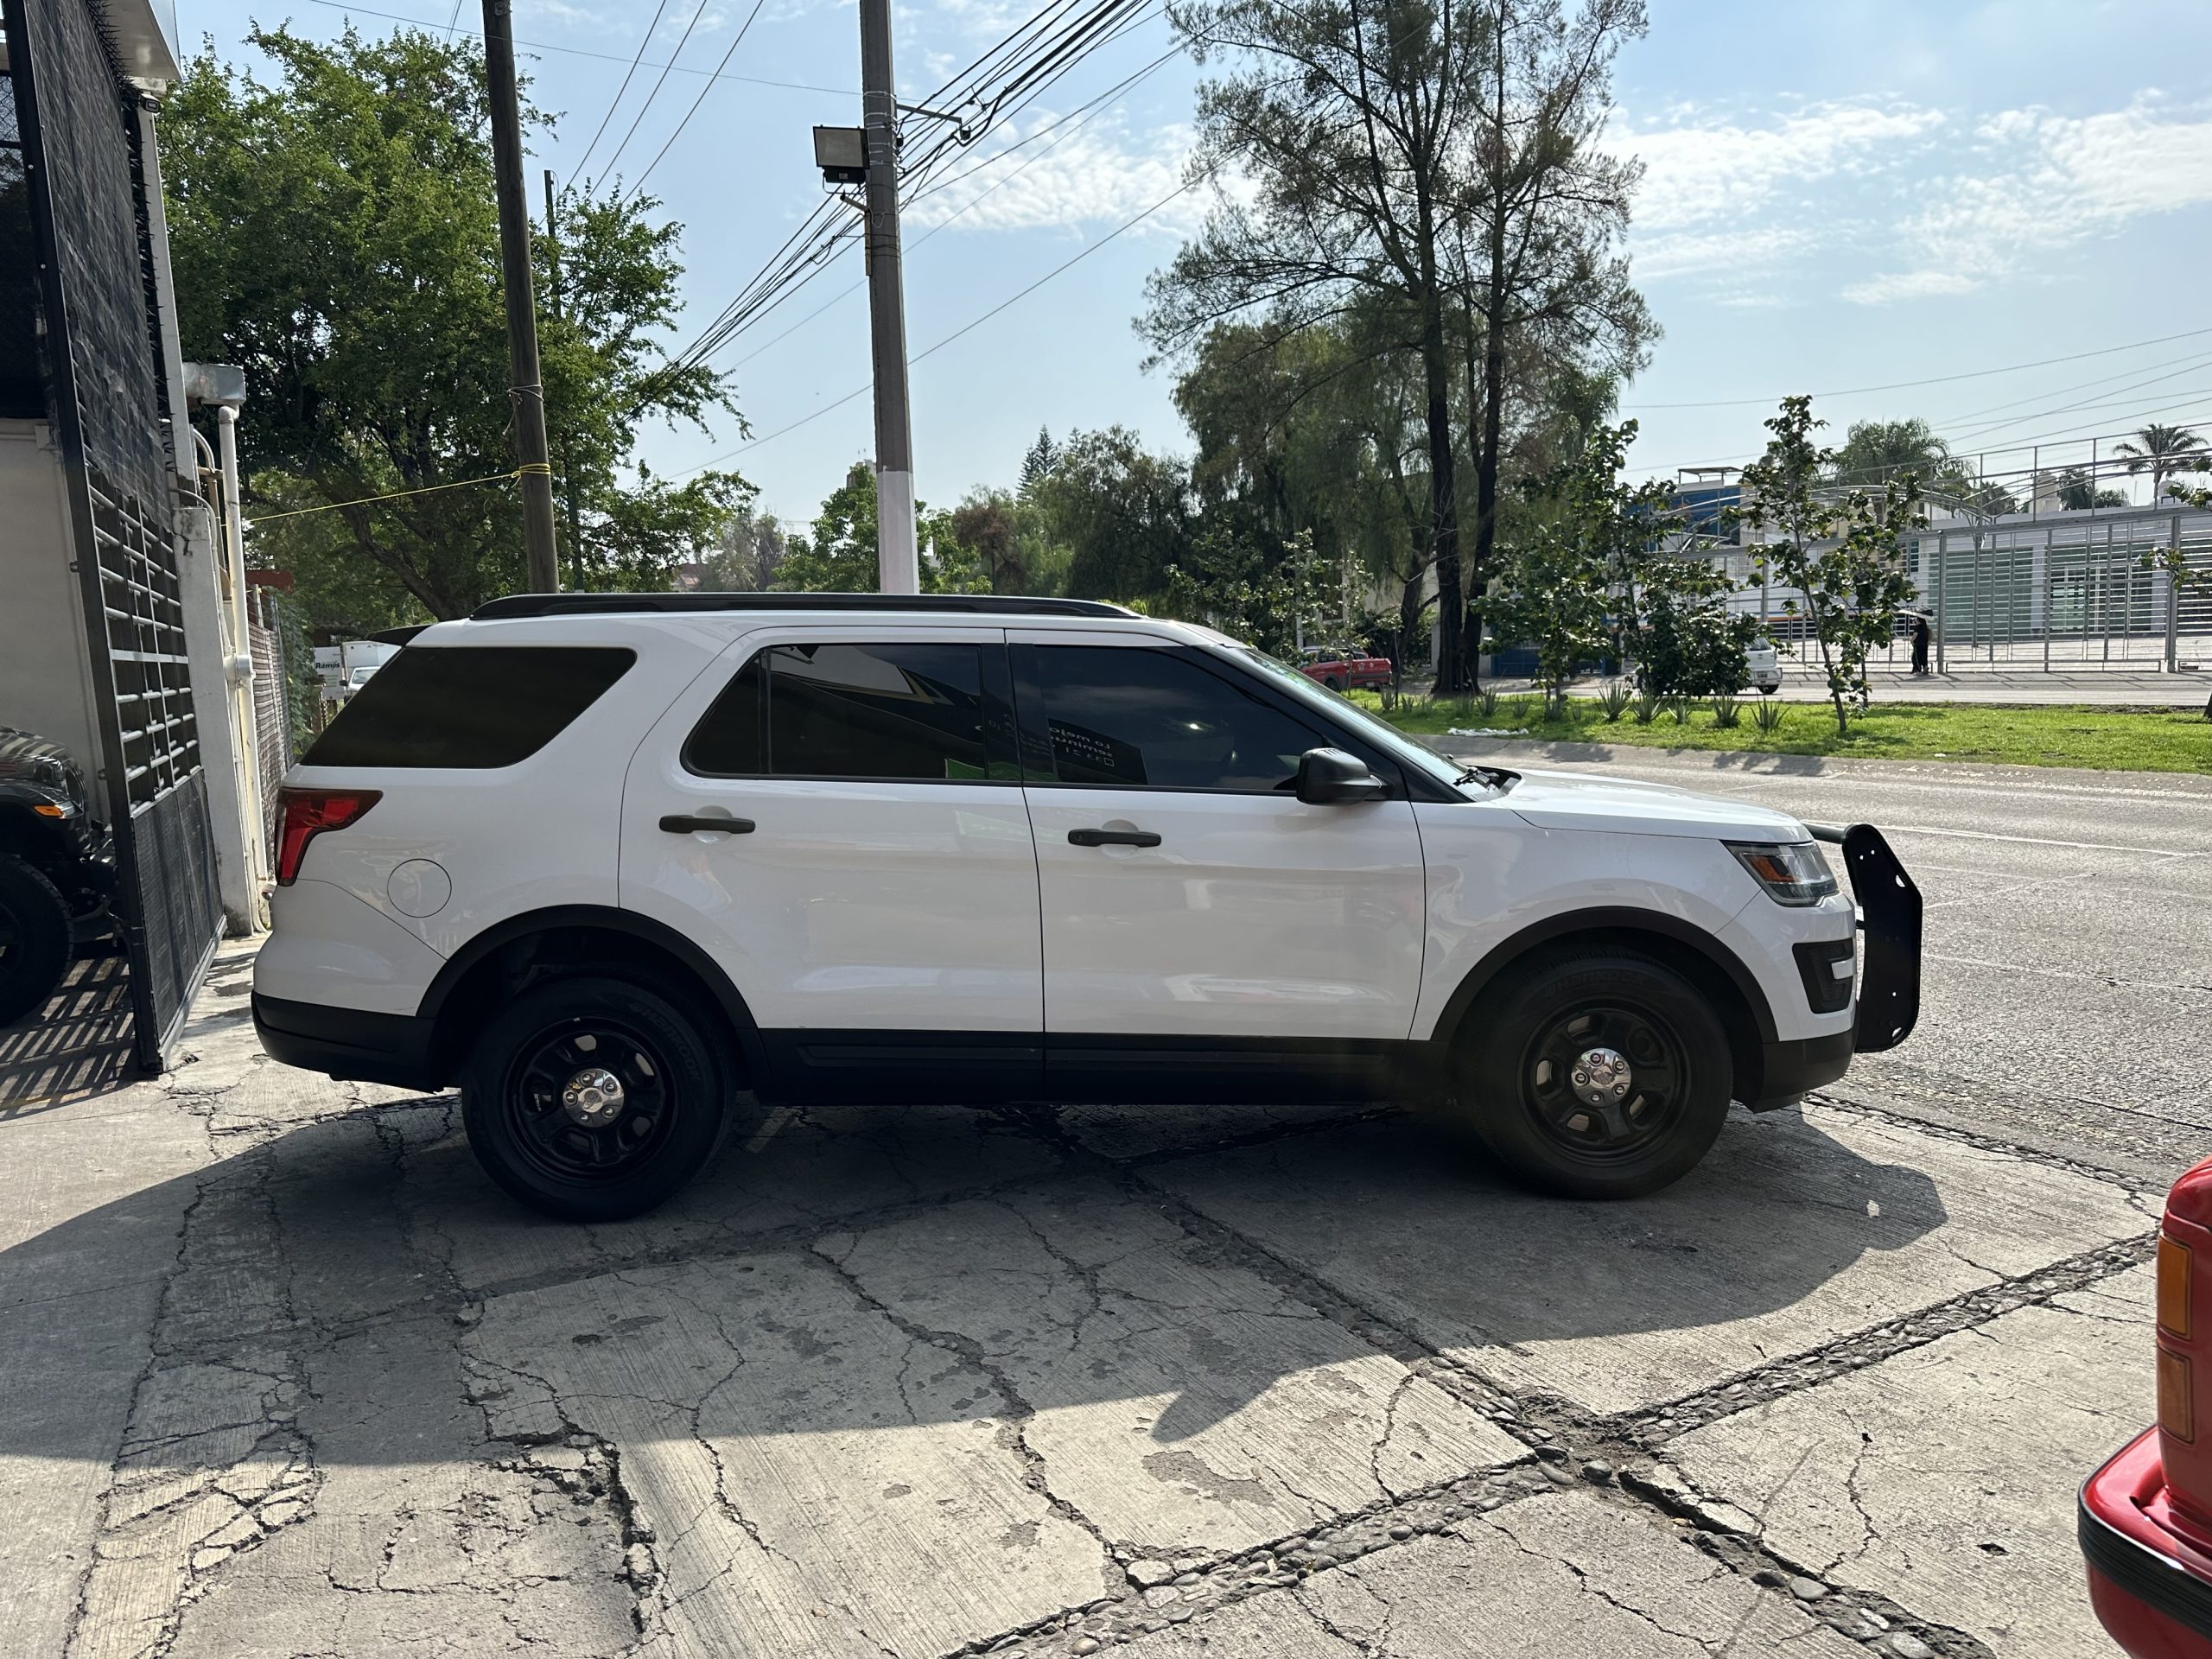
(1746, 1051)
(527, 958)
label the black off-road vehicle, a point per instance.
(57, 870)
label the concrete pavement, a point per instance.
(285, 1377)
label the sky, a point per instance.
(1996, 217)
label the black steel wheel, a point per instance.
(1597, 1075)
(35, 942)
(594, 1098)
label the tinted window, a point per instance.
(1123, 717)
(453, 706)
(900, 711)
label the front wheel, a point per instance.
(35, 940)
(1598, 1076)
(594, 1098)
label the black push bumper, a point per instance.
(1889, 915)
(348, 1043)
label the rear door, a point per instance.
(1248, 925)
(879, 916)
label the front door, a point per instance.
(879, 918)
(1192, 906)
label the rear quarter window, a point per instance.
(451, 707)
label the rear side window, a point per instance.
(899, 710)
(448, 707)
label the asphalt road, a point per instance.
(2067, 965)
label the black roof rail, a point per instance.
(600, 604)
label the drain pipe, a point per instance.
(240, 666)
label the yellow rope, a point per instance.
(538, 468)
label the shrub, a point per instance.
(1727, 711)
(1769, 714)
(1616, 701)
(1647, 708)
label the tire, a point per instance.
(1769, 690)
(529, 1106)
(35, 942)
(1333, 683)
(1518, 1075)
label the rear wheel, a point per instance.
(35, 942)
(593, 1098)
(1333, 683)
(1598, 1076)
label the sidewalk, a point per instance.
(2107, 687)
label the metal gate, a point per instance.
(81, 139)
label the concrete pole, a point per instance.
(240, 666)
(527, 392)
(897, 560)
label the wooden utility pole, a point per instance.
(526, 391)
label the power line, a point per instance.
(638, 185)
(1937, 380)
(580, 52)
(643, 41)
(697, 12)
(965, 328)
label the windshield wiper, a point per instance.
(1489, 777)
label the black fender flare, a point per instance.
(1609, 918)
(606, 917)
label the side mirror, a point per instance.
(1326, 777)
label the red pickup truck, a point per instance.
(1340, 670)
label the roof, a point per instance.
(516, 605)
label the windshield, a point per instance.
(1380, 733)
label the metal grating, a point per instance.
(23, 392)
(80, 133)
(273, 716)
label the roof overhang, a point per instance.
(143, 33)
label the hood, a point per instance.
(39, 762)
(1570, 800)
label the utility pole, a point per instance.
(526, 393)
(567, 448)
(897, 562)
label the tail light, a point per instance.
(307, 813)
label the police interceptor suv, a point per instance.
(629, 867)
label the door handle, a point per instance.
(1113, 838)
(685, 823)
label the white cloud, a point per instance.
(2042, 182)
(1097, 174)
(1700, 172)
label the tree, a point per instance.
(1839, 550)
(1538, 222)
(837, 554)
(748, 554)
(1230, 583)
(1036, 465)
(334, 230)
(1347, 120)
(1123, 514)
(2075, 490)
(1875, 452)
(2164, 450)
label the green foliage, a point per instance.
(1727, 711)
(1646, 707)
(1839, 550)
(1614, 701)
(1769, 715)
(1689, 646)
(837, 554)
(1230, 584)
(1123, 514)
(334, 230)
(747, 554)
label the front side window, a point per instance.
(1133, 717)
(448, 707)
(896, 711)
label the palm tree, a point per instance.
(2164, 450)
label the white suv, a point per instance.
(625, 866)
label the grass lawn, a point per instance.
(2113, 740)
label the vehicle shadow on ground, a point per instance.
(790, 1289)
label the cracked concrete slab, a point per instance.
(1568, 1575)
(786, 1170)
(816, 1478)
(1179, 1400)
(1944, 1479)
(1798, 1228)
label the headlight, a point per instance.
(1793, 873)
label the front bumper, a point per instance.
(2151, 1585)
